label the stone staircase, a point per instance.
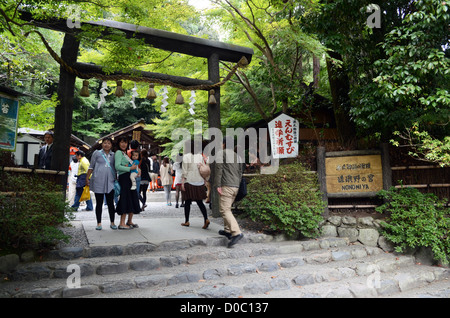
(258, 267)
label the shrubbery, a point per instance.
(288, 201)
(416, 220)
(31, 209)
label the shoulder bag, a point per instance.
(204, 170)
(116, 182)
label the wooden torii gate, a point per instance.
(213, 51)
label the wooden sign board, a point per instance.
(348, 175)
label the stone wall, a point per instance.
(364, 230)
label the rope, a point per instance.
(242, 63)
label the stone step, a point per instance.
(328, 267)
(110, 278)
(405, 281)
(167, 254)
(70, 253)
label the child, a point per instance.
(134, 173)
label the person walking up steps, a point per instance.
(229, 174)
(193, 185)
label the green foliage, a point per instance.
(31, 208)
(416, 220)
(415, 78)
(425, 147)
(278, 73)
(415, 74)
(288, 201)
(38, 116)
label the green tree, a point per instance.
(276, 78)
(389, 79)
(114, 52)
(415, 78)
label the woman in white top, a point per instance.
(193, 185)
(166, 178)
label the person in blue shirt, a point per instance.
(135, 173)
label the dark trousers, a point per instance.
(187, 209)
(109, 201)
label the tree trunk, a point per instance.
(316, 71)
(340, 87)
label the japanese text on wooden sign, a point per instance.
(352, 174)
(284, 136)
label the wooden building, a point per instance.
(136, 131)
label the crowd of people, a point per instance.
(134, 170)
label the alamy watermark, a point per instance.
(74, 279)
(251, 140)
(74, 16)
(374, 279)
(374, 20)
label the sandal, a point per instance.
(124, 228)
(133, 225)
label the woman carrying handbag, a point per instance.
(101, 177)
(193, 184)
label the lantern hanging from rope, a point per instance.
(179, 100)
(119, 90)
(85, 89)
(151, 92)
(212, 98)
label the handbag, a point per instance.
(86, 195)
(242, 192)
(116, 182)
(204, 170)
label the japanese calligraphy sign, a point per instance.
(284, 136)
(9, 111)
(353, 174)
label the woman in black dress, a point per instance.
(128, 201)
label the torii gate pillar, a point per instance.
(214, 122)
(63, 113)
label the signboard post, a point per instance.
(284, 136)
(9, 112)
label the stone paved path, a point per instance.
(201, 266)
